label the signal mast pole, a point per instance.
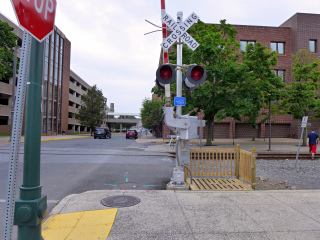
(179, 91)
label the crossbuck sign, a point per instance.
(179, 30)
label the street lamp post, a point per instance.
(269, 125)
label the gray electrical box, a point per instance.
(192, 131)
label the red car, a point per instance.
(131, 134)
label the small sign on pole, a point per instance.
(303, 125)
(179, 101)
(304, 122)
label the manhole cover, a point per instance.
(120, 201)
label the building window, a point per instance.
(44, 128)
(243, 44)
(277, 46)
(313, 45)
(50, 124)
(280, 73)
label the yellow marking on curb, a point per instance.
(47, 140)
(79, 225)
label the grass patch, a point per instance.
(8, 135)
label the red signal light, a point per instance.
(165, 74)
(197, 73)
(194, 76)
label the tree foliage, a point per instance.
(7, 43)
(233, 88)
(92, 111)
(260, 85)
(152, 113)
(300, 97)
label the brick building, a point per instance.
(78, 87)
(301, 31)
(56, 73)
(62, 88)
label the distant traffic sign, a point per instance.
(36, 16)
(180, 30)
(179, 101)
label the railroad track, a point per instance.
(279, 156)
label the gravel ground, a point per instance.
(281, 174)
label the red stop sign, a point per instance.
(36, 16)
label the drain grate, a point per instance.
(120, 201)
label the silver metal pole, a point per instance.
(16, 135)
(179, 63)
(295, 166)
(179, 89)
(13, 85)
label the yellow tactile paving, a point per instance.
(80, 225)
(218, 184)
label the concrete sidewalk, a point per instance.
(207, 215)
(278, 145)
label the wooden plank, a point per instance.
(218, 184)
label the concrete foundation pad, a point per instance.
(178, 188)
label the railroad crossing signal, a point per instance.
(165, 75)
(37, 17)
(194, 76)
(179, 30)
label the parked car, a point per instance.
(131, 134)
(102, 133)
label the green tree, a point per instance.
(92, 111)
(301, 95)
(152, 114)
(7, 43)
(217, 53)
(260, 85)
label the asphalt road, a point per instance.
(80, 165)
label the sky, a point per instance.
(109, 48)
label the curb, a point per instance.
(47, 140)
(60, 205)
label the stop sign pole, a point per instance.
(37, 18)
(31, 207)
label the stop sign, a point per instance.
(36, 16)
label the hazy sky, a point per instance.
(109, 48)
